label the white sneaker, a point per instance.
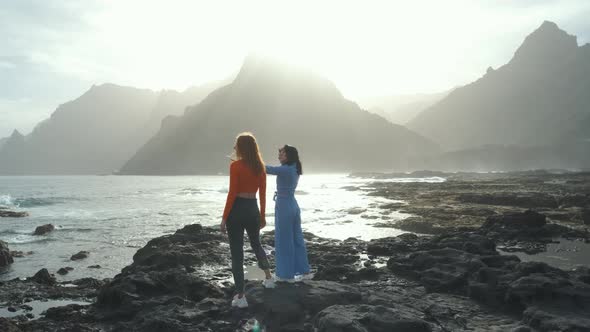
(239, 302)
(292, 280)
(268, 283)
(302, 277)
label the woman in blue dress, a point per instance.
(290, 252)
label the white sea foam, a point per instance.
(27, 238)
(6, 200)
(433, 179)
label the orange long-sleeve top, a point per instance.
(243, 180)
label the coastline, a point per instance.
(450, 281)
(456, 279)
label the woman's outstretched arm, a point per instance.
(276, 170)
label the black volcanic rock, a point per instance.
(8, 326)
(538, 291)
(80, 255)
(368, 318)
(280, 105)
(454, 281)
(522, 199)
(44, 229)
(586, 216)
(189, 246)
(65, 270)
(5, 256)
(516, 220)
(43, 277)
(12, 214)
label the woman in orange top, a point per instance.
(247, 175)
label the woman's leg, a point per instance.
(253, 229)
(301, 262)
(284, 245)
(235, 232)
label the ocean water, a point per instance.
(566, 254)
(113, 216)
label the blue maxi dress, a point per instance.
(290, 252)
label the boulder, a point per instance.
(43, 277)
(5, 255)
(44, 229)
(189, 246)
(292, 303)
(80, 255)
(128, 293)
(13, 214)
(64, 270)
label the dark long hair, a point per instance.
(247, 150)
(293, 157)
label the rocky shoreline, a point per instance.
(447, 282)
(464, 201)
(458, 275)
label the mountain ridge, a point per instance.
(525, 103)
(96, 132)
(279, 105)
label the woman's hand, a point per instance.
(262, 222)
(222, 227)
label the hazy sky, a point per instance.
(53, 51)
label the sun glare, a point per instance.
(368, 48)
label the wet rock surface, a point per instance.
(527, 231)
(43, 277)
(539, 292)
(43, 286)
(455, 281)
(80, 255)
(44, 229)
(65, 270)
(586, 216)
(548, 205)
(5, 255)
(6, 213)
(465, 200)
(368, 318)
